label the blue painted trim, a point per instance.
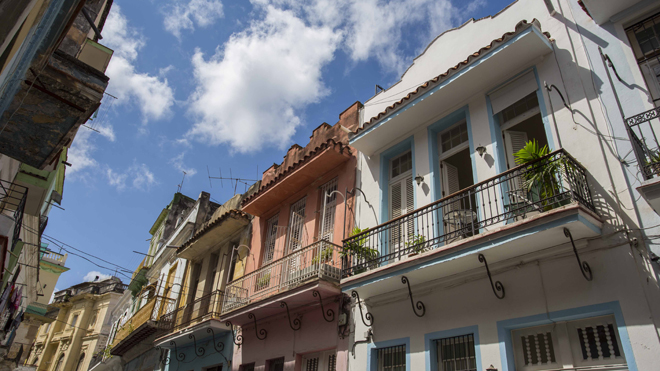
(433, 130)
(611, 308)
(450, 79)
(431, 350)
(40, 37)
(480, 247)
(372, 354)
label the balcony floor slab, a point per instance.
(503, 243)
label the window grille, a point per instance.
(332, 362)
(538, 349)
(392, 358)
(312, 364)
(328, 210)
(271, 238)
(457, 353)
(297, 225)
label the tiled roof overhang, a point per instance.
(317, 162)
(218, 229)
(510, 52)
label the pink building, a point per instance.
(288, 303)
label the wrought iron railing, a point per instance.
(206, 307)
(12, 202)
(152, 310)
(549, 182)
(645, 142)
(318, 260)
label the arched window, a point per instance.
(60, 360)
(80, 362)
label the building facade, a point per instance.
(51, 81)
(501, 225)
(81, 328)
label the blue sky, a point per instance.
(228, 85)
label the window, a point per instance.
(528, 103)
(392, 358)
(271, 238)
(214, 368)
(248, 367)
(81, 361)
(324, 361)
(297, 225)
(74, 320)
(645, 42)
(92, 322)
(594, 343)
(46, 328)
(456, 353)
(58, 366)
(329, 202)
(275, 364)
(453, 137)
(401, 165)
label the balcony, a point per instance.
(522, 210)
(12, 204)
(647, 151)
(201, 310)
(53, 257)
(318, 261)
(142, 324)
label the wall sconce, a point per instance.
(419, 179)
(481, 150)
(491, 368)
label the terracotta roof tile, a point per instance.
(233, 213)
(522, 25)
(330, 143)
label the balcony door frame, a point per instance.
(461, 114)
(494, 120)
(386, 156)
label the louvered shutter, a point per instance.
(410, 207)
(395, 209)
(515, 141)
(450, 184)
(330, 203)
(271, 237)
(296, 225)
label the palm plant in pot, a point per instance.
(358, 252)
(543, 177)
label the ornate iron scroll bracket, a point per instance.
(164, 356)
(218, 346)
(330, 312)
(498, 285)
(199, 352)
(261, 332)
(416, 306)
(237, 339)
(369, 317)
(295, 325)
(584, 266)
(179, 356)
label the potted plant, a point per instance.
(541, 178)
(324, 257)
(263, 281)
(356, 248)
(418, 245)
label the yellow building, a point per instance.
(81, 328)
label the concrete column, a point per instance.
(48, 351)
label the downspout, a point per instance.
(370, 333)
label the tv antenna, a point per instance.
(232, 180)
(181, 184)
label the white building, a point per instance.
(472, 262)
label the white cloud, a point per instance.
(83, 146)
(91, 276)
(138, 175)
(178, 164)
(253, 91)
(250, 92)
(152, 94)
(184, 15)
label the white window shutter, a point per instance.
(296, 225)
(450, 185)
(513, 92)
(515, 141)
(271, 237)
